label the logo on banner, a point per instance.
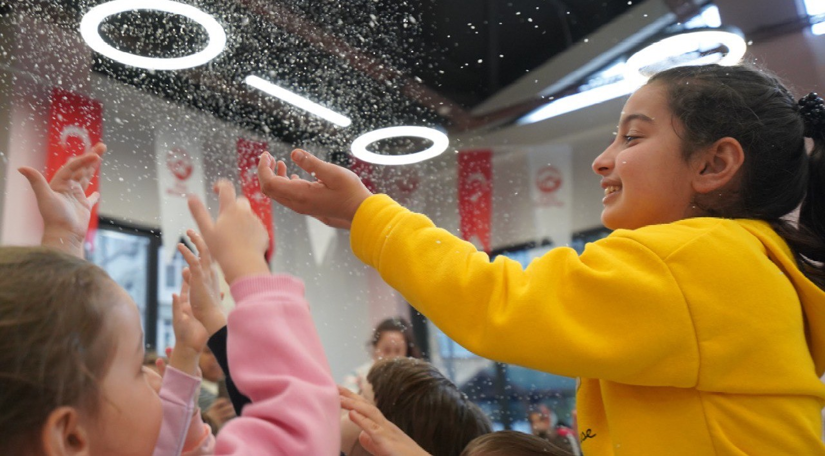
(78, 132)
(548, 181)
(478, 186)
(180, 164)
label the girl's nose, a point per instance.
(603, 164)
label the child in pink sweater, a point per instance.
(71, 374)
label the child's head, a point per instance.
(512, 443)
(705, 141)
(425, 405)
(71, 360)
(393, 338)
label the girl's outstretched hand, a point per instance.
(237, 239)
(379, 436)
(63, 203)
(204, 286)
(332, 198)
(190, 335)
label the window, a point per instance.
(816, 9)
(134, 258)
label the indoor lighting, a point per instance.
(578, 101)
(299, 101)
(89, 29)
(439, 139)
(685, 43)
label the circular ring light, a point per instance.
(89, 29)
(439, 139)
(684, 43)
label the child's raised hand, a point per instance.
(190, 335)
(204, 286)
(332, 198)
(236, 239)
(379, 436)
(63, 203)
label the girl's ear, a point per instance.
(718, 165)
(64, 435)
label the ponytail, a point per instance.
(807, 239)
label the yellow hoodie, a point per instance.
(699, 337)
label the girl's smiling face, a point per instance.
(644, 175)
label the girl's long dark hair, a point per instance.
(778, 175)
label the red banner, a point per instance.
(248, 154)
(75, 125)
(475, 196)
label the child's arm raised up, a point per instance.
(205, 297)
(183, 430)
(275, 353)
(63, 203)
(332, 198)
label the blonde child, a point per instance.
(698, 326)
(72, 379)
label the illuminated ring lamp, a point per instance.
(439, 139)
(684, 43)
(89, 29)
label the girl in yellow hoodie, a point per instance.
(698, 326)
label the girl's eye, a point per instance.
(628, 139)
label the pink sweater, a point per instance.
(275, 359)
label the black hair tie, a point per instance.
(812, 109)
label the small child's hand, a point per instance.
(190, 335)
(204, 288)
(332, 198)
(63, 203)
(379, 436)
(237, 239)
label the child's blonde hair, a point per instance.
(53, 348)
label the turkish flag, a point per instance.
(475, 196)
(75, 125)
(248, 154)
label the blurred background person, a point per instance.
(392, 338)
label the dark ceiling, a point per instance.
(381, 62)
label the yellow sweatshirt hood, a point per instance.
(811, 296)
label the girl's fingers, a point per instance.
(36, 181)
(200, 214)
(364, 422)
(226, 194)
(94, 198)
(203, 250)
(188, 256)
(315, 166)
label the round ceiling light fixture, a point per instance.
(90, 25)
(681, 50)
(439, 139)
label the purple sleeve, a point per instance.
(277, 361)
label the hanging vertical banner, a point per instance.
(551, 189)
(475, 196)
(248, 154)
(180, 174)
(75, 125)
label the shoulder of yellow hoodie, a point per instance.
(718, 247)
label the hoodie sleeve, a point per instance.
(277, 361)
(182, 430)
(615, 312)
